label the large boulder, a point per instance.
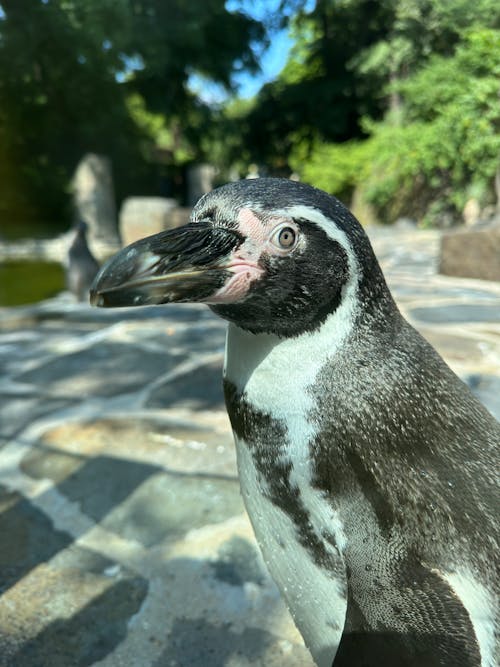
(473, 253)
(94, 197)
(143, 216)
(200, 178)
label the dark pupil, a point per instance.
(286, 237)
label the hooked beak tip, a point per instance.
(182, 265)
(96, 299)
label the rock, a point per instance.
(197, 642)
(17, 412)
(94, 197)
(253, 171)
(405, 223)
(144, 216)
(105, 369)
(471, 212)
(198, 388)
(199, 181)
(458, 314)
(166, 506)
(471, 254)
(487, 388)
(39, 626)
(238, 562)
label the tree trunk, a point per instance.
(497, 188)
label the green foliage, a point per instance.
(320, 94)
(336, 168)
(443, 146)
(395, 103)
(106, 76)
(348, 58)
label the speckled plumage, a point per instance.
(400, 451)
(367, 467)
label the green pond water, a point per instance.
(23, 282)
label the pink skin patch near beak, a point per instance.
(244, 262)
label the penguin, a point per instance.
(81, 267)
(367, 467)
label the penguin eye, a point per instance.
(285, 237)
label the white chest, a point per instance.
(275, 376)
(315, 596)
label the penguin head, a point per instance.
(270, 255)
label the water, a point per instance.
(28, 281)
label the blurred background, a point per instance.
(392, 106)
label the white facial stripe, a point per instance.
(270, 363)
(276, 376)
(260, 234)
(330, 229)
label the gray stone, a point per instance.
(105, 369)
(46, 463)
(200, 179)
(199, 642)
(17, 412)
(238, 562)
(199, 388)
(94, 196)
(168, 505)
(27, 347)
(58, 312)
(487, 389)
(144, 216)
(471, 254)
(405, 223)
(28, 538)
(102, 483)
(471, 212)
(458, 313)
(175, 445)
(86, 636)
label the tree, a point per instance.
(68, 69)
(347, 63)
(320, 95)
(445, 149)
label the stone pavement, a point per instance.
(123, 538)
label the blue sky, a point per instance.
(272, 60)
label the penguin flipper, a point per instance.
(427, 624)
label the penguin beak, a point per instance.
(191, 263)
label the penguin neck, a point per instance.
(267, 362)
(279, 361)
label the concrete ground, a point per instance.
(123, 538)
